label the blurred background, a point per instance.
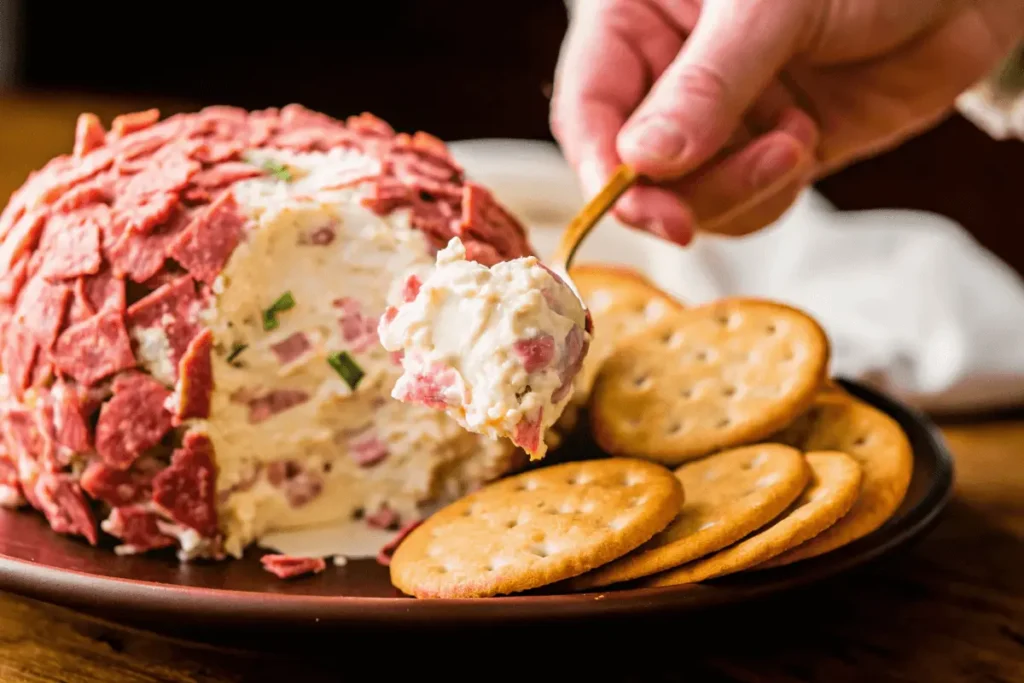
(457, 68)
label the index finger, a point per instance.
(602, 75)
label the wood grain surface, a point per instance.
(949, 609)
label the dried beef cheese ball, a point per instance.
(188, 328)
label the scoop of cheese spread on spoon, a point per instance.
(496, 348)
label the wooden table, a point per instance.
(951, 608)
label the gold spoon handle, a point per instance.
(587, 218)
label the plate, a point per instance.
(37, 563)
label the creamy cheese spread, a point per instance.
(496, 348)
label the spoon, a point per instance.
(580, 226)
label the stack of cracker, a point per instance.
(730, 450)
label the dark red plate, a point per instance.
(38, 563)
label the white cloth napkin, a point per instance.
(912, 303)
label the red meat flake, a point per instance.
(536, 353)
(134, 420)
(41, 309)
(120, 487)
(428, 388)
(69, 424)
(288, 567)
(65, 508)
(186, 490)
(94, 348)
(74, 248)
(385, 554)
(291, 348)
(205, 245)
(195, 379)
(89, 134)
(142, 256)
(172, 308)
(526, 434)
(19, 357)
(138, 528)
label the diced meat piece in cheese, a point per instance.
(496, 348)
(188, 329)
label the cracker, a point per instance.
(537, 528)
(833, 388)
(621, 302)
(835, 482)
(883, 451)
(718, 376)
(728, 496)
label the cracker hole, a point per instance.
(723, 423)
(637, 501)
(675, 428)
(771, 329)
(767, 480)
(672, 339)
(702, 356)
(512, 524)
(653, 310)
(729, 391)
(440, 569)
(723, 319)
(707, 525)
(860, 440)
(539, 550)
(578, 480)
(686, 393)
(617, 524)
(641, 382)
(631, 479)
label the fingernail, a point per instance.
(775, 164)
(655, 139)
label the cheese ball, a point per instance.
(188, 329)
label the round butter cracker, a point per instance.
(835, 482)
(536, 528)
(621, 302)
(883, 451)
(728, 496)
(718, 376)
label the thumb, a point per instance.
(736, 49)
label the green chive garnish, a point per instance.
(236, 351)
(346, 368)
(284, 303)
(279, 171)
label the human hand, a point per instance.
(731, 107)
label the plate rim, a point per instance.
(84, 590)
